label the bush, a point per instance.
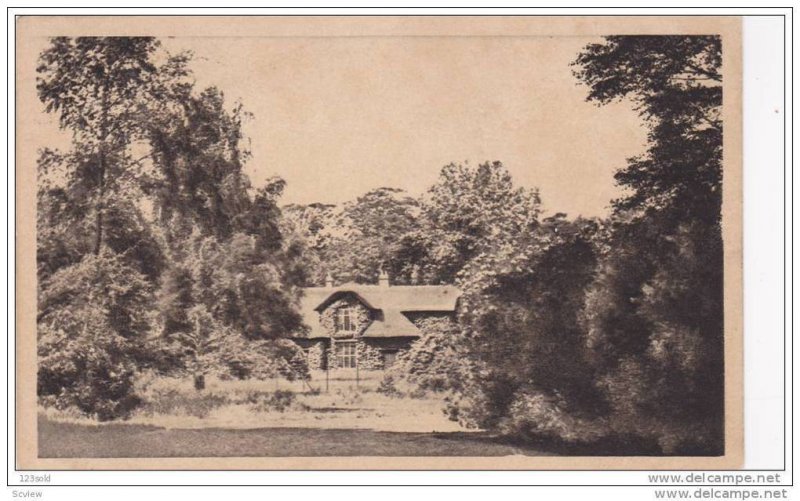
(536, 415)
(433, 362)
(264, 359)
(350, 395)
(96, 386)
(388, 387)
(173, 402)
(93, 318)
(639, 393)
(278, 401)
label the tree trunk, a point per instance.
(98, 229)
(101, 185)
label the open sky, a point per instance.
(337, 116)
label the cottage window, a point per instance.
(346, 355)
(346, 320)
(389, 357)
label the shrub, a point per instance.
(174, 402)
(535, 415)
(350, 395)
(388, 387)
(264, 359)
(639, 391)
(433, 362)
(279, 401)
(92, 321)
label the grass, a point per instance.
(335, 401)
(277, 418)
(331, 415)
(64, 440)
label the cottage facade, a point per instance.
(368, 326)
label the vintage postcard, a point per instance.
(379, 242)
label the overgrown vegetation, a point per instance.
(583, 330)
(153, 249)
(155, 253)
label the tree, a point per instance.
(429, 240)
(229, 260)
(204, 344)
(676, 84)
(310, 231)
(520, 318)
(356, 241)
(579, 330)
(198, 158)
(369, 231)
(154, 184)
(465, 212)
(379, 218)
(249, 291)
(247, 304)
(65, 230)
(97, 255)
(100, 87)
(435, 361)
(654, 313)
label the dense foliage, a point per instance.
(155, 252)
(654, 314)
(425, 241)
(589, 330)
(357, 240)
(93, 325)
(153, 249)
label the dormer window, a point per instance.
(346, 320)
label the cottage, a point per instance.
(367, 326)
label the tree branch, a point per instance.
(710, 74)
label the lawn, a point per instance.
(67, 440)
(332, 415)
(336, 401)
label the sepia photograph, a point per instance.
(379, 242)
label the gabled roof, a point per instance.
(392, 324)
(391, 301)
(402, 297)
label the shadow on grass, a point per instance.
(119, 440)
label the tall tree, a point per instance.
(654, 314)
(99, 87)
(66, 226)
(310, 230)
(375, 223)
(227, 254)
(198, 160)
(676, 85)
(358, 239)
(426, 240)
(98, 257)
(467, 211)
(521, 330)
(152, 191)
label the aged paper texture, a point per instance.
(402, 251)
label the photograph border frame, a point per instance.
(433, 469)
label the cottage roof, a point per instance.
(391, 302)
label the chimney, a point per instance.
(383, 279)
(329, 281)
